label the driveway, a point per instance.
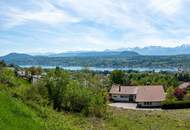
(124, 105)
(132, 106)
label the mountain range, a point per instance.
(160, 51)
(153, 56)
(63, 58)
(149, 50)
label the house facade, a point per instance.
(144, 96)
(123, 94)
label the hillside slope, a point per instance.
(123, 59)
(16, 116)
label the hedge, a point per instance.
(175, 104)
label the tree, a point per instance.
(179, 93)
(117, 77)
(170, 94)
(65, 91)
(56, 82)
(2, 64)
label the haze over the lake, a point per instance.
(39, 26)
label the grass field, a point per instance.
(119, 119)
(149, 120)
(14, 115)
(17, 116)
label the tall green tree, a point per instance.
(170, 94)
(117, 77)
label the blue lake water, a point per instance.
(75, 68)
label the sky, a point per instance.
(40, 26)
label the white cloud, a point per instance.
(140, 23)
(168, 7)
(47, 13)
(122, 14)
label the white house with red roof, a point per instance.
(144, 96)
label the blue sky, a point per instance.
(32, 26)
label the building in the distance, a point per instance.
(185, 85)
(144, 96)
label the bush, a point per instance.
(82, 99)
(8, 78)
(176, 104)
(66, 93)
(179, 93)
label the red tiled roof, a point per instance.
(116, 89)
(143, 93)
(150, 94)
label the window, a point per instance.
(123, 96)
(147, 103)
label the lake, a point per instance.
(75, 68)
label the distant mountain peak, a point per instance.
(159, 50)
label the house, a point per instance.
(150, 96)
(185, 85)
(36, 78)
(144, 96)
(123, 93)
(21, 73)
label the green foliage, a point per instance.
(187, 96)
(76, 97)
(106, 61)
(17, 116)
(117, 77)
(7, 77)
(176, 104)
(170, 94)
(66, 93)
(79, 94)
(185, 77)
(2, 64)
(151, 78)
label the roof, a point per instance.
(185, 85)
(143, 93)
(150, 94)
(116, 89)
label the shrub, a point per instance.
(170, 94)
(179, 93)
(8, 78)
(66, 93)
(176, 104)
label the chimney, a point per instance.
(119, 88)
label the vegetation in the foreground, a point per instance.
(78, 101)
(17, 116)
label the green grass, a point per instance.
(149, 120)
(14, 115)
(120, 119)
(17, 116)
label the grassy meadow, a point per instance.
(17, 116)
(14, 115)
